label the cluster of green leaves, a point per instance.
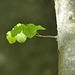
(21, 32)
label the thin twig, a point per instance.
(38, 35)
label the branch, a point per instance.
(38, 35)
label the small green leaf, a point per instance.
(30, 30)
(20, 32)
(17, 29)
(10, 38)
(21, 38)
(40, 28)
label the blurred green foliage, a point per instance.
(37, 56)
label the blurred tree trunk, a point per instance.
(65, 14)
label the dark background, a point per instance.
(37, 56)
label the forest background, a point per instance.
(37, 56)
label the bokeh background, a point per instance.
(37, 56)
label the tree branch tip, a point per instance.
(55, 37)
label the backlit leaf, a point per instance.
(30, 30)
(21, 38)
(17, 29)
(10, 38)
(40, 28)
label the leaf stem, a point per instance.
(38, 35)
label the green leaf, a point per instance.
(20, 32)
(10, 38)
(17, 29)
(30, 30)
(40, 28)
(21, 38)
